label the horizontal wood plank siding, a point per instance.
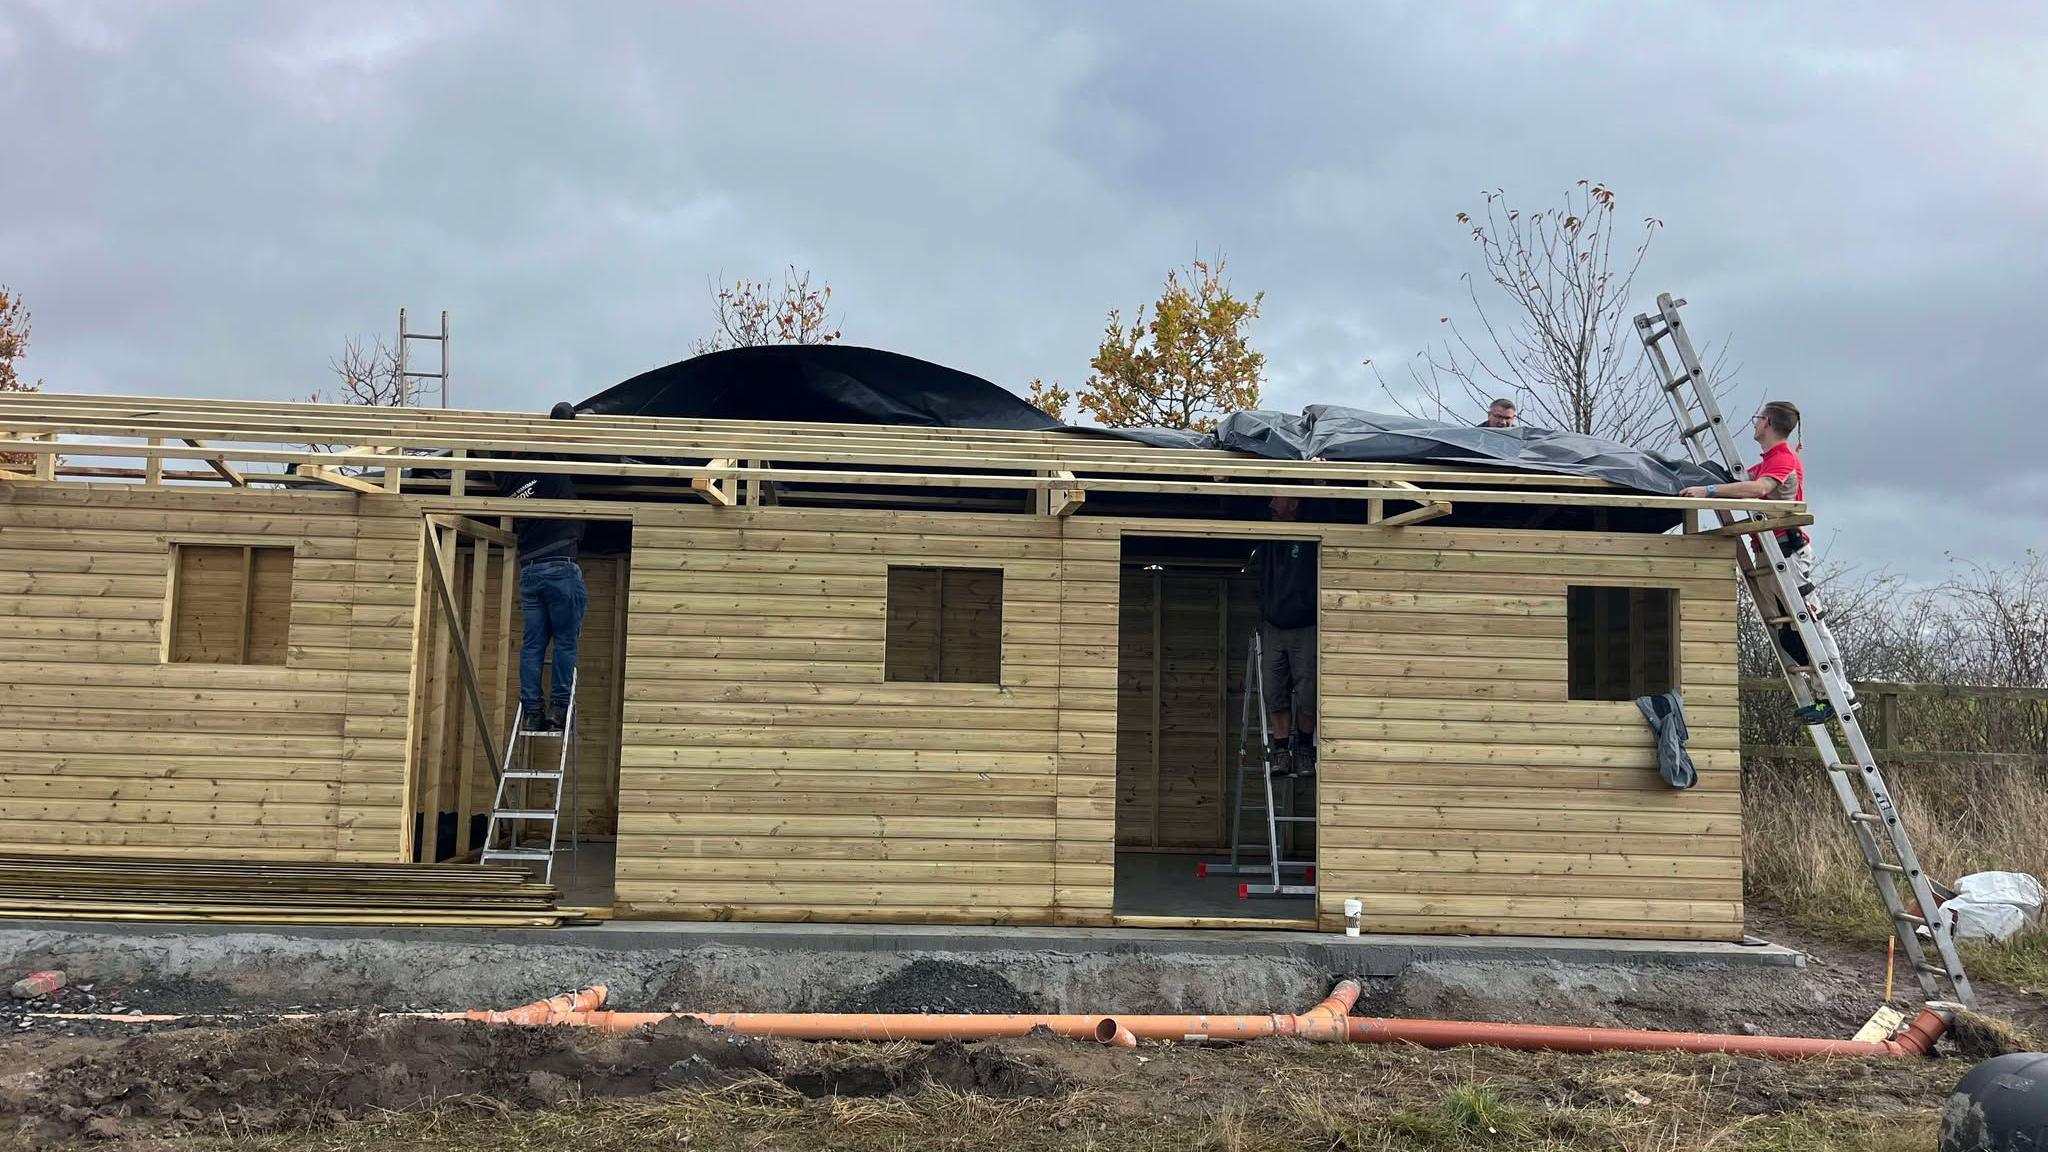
(769, 770)
(106, 748)
(1462, 792)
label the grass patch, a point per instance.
(1469, 1116)
(2021, 962)
(1800, 857)
(1468, 1119)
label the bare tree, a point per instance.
(368, 376)
(1999, 618)
(751, 313)
(1984, 625)
(1559, 336)
(365, 375)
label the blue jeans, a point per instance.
(552, 596)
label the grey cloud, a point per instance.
(208, 197)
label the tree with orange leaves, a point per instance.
(1186, 366)
(14, 319)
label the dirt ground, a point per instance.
(349, 1081)
(353, 1080)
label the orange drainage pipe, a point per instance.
(1329, 1021)
(1916, 1040)
(1324, 1022)
(553, 1010)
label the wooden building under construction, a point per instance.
(862, 673)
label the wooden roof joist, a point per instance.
(711, 457)
(713, 471)
(810, 443)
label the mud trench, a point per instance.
(312, 1073)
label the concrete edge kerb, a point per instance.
(1367, 955)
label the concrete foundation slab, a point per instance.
(807, 967)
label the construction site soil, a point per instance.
(235, 1076)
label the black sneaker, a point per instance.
(544, 723)
(1818, 712)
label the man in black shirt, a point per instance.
(551, 592)
(1287, 639)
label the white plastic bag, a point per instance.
(1993, 905)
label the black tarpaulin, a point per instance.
(820, 384)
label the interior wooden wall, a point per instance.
(105, 748)
(1180, 679)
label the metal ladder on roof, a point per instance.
(1277, 816)
(1812, 672)
(406, 375)
(514, 810)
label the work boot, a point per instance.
(546, 722)
(1304, 755)
(1280, 758)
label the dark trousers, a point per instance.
(552, 596)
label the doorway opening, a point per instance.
(452, 775)
(1190, 608)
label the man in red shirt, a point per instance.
(1781, 476)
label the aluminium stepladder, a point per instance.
(1780, 598)
(1276, 815)
(515, 811)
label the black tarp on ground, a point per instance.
(842, 384)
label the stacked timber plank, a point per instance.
(265, 892)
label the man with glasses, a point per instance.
(1780, 475)
(1500, 414)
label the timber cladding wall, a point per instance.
(1463, 791)
(771, 770)
(111, 748)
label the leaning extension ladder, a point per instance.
(1275, 816)
(514, 810)
(1775, 588)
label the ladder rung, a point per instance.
(525, 774)
(1935, 969)
(1294, 819)
(525, 814)
(1909, 918)
(544, 732)
(1866, 817)
(515, 854)
(1894, 869)
(1698, 428)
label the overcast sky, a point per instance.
(206, 199)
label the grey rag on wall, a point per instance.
(1666, 716)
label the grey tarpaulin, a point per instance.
(1353, 434)
(1666, 716)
